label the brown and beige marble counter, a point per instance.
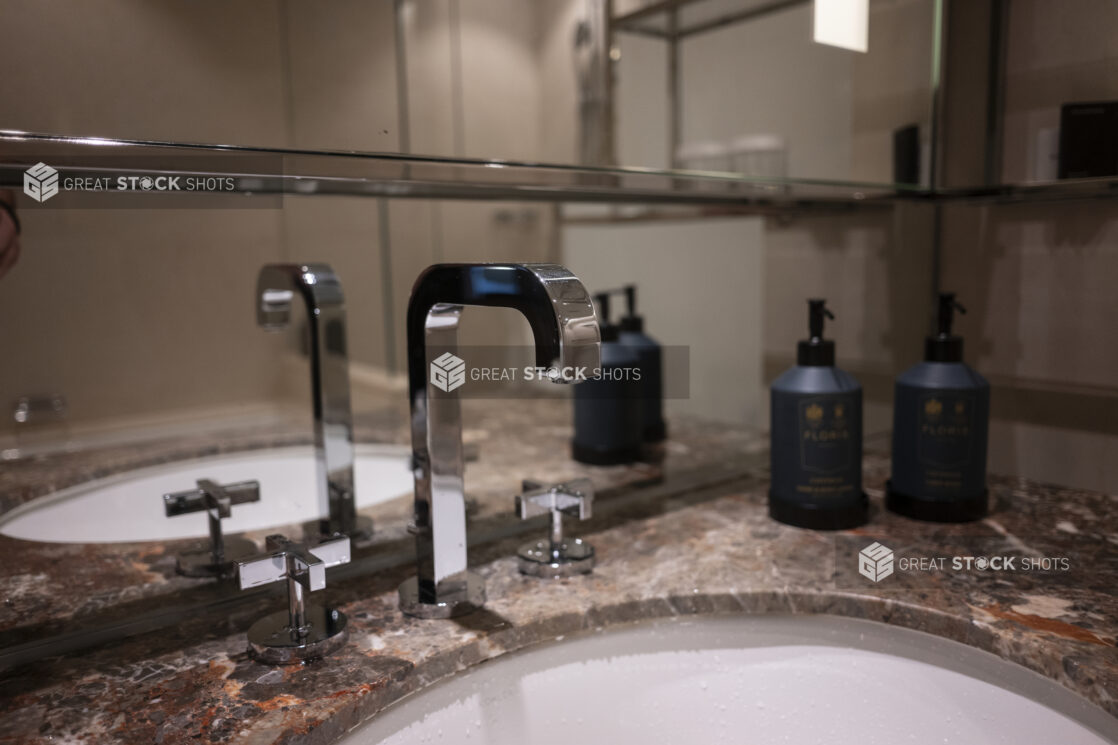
(706, 552)
(51, 588)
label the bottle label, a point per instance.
(827, 444)
(945, 440)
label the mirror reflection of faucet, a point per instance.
(321, 293)
(219, 558)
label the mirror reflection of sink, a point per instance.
(763, 679)
(129, 506)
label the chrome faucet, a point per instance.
(565, 328)
(321, 292)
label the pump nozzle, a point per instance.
(607, 330)
(602, 299)
(817, 309)
(947, 307)
(815, 350)
(631, 321)
(944, 346)
(631, 299)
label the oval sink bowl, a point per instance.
(129, 506)
(756, 679)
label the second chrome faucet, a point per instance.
(565, 329)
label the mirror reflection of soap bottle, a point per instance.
(608, 414)
(651, 368)
(816, 431)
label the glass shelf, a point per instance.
(272, 171)
(256, 171)
(696, 16)
(1034, 191)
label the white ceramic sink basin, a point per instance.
(763, 679)
(129, 506)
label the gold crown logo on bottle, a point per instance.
(933, 408)
(814, 412)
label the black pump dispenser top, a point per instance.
(631, 321)
(608, 330)
(816, 351)
(945, 346)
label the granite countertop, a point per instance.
(52, 588)
(709, 552)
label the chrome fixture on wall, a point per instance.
(39, 409)
(219, 558)
(37, 414)
(321, 292)
(557, 556)
(565, 329)
(302, 632)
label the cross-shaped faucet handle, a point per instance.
(302, 632)
(216, 500)
(570, 498)
(287, 560)
(557, 556)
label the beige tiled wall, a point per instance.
(178, 70)
(796, 88)
(891, 86)
(1038, 277)
(142, 312)
(836, 110)
(473, 91)
(1038, 281)
(342, 67)
(1056, 53)
(128, 312)
(700, 286)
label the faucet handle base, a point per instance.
(316, 531)
(270, 639)
(571, 557)
(452, 605)
(199, 561)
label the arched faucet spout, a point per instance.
(565, 328)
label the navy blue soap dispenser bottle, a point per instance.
(609, 427)
(816, 430)
(650, 357)
(941, 412)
